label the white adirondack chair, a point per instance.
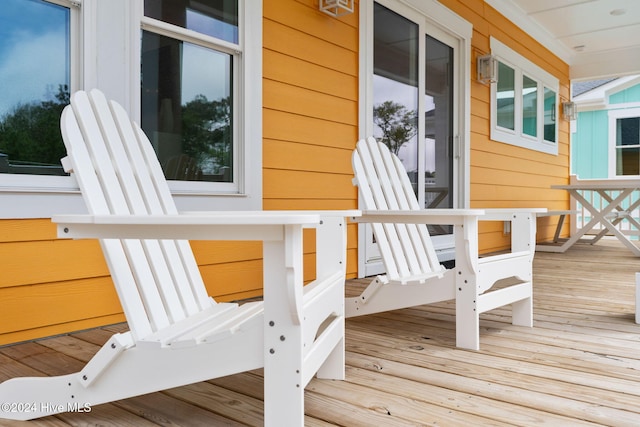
(413, 274)
(179, 335)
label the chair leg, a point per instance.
(522, 312)
(49, 395)
(467, 314)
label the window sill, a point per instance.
(28, 196)
(530, 144)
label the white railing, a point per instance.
(600, 203)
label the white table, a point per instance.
(608, 216)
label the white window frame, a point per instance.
(523, 66)
(614, 115)
(105, 54)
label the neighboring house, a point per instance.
(265, 100)
(605, 142)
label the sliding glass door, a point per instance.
(412, 108)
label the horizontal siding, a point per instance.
(281, 96)
(292, 127)
(56, 260)
(19, 230)
(50, 286)
(287, 155)
(310, 112)
(309, 75)
(58, 303)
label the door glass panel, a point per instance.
(438, 163)
(413, 113)
(395, 87)
(505, 94)
(529, 106)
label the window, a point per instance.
(188, 88)
(35, 68)
(624, 136)
(188, 71)
(523, 102)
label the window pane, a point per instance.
(438, 141)
(628, 161)
(187, 108)
(529, 106)
(549, 115)
(628, 131)
(505, 94)
(395, 86)
(216, 18)
(35, 58)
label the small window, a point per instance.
(523, 102)
(35, 57)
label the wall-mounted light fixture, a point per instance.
(336, 7)
(569, 111)
(487, 66)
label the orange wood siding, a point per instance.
(310, 114)
(50, 286)
(503, 175)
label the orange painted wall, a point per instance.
(503, 175)
(310, 110)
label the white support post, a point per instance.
(638, 298)
(283, 358)
(467, 315)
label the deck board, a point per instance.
(578, 365)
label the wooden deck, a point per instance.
(579, 365)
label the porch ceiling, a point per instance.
(597, 38)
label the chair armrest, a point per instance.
(323, 213)
(425, 216)
(507, 214)
(242, 225)
(522, 226)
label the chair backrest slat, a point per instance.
(158, 281)
(407, 249)
(386, 234)
(183, 276)
(96, 204)
(396, 199)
